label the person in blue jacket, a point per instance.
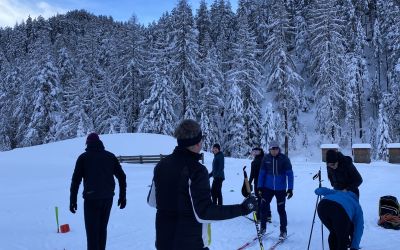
(217, 173)
(341, 213)
(275, 179)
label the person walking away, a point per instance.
(275, 179)
(181, 193)
(97, 167)
(341, 213)
(218, 174)
(258, 154)
(342, 173)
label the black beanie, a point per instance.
(331, 156)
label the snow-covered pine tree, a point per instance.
(106, 118)
(202, 21)
(186, 71)
(235, 131)
(357, 78)
(268, 126)
(246, 73)
(211, 99)
(382, 132)
(377, 44)
(157, 113)
(46, 117)
(222, 31)
(283, 79)
(372, 137)
(327, 44)
(131, 73)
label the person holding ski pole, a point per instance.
(341, 213)
(181, 193)
(258, 154)
(97, 167)
(275, 179)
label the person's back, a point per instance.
(181, 193)
(98, 171)
(97, 167)
(174, 208)
(350, 204)
(342, 173)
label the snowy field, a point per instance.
(34, 180)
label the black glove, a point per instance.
(122, 203)
(249, 205)
(73, 207)
(289, 193)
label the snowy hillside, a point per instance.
(36, 179)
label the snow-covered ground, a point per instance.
(34, 180)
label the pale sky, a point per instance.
(14, 11)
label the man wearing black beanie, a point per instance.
(97, 167)
(342, 173)
(181, 193)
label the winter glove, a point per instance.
(122, 203)
(249, 205)
(73, 207)
(289, 193)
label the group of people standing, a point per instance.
(186, 204)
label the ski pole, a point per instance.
(58, 227)
(248, 189)
(318, 175)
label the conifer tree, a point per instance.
(383, 136)
(235, 130)
(186, 71)
(283, 79)
(157, 112)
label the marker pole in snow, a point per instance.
(317, 175)
(58, 227)
(248, 193)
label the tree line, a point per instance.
(248, 76)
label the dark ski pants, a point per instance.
(168, 238)
(267, 195)
(335, 218)
(216, 193)
(97, 213)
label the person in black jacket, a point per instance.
(342, 174)
(258, 154)
(97, 167)
(218, 174)
(181, 193)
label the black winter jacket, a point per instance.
(345, 176)
(181, 193)
(255, 170)
(97, 167)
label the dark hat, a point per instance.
(331, 156)
(273, 144)
(92, 137)
(217, 146)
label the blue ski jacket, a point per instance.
(276, 173)
(349, 201)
